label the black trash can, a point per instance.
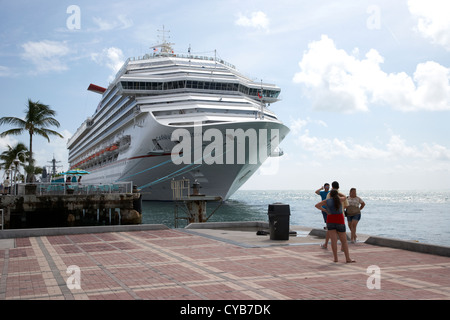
(279, 215)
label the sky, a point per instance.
(365, 85)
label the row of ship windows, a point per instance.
(203, 85)
(222, 112)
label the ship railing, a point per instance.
(61, 188)
(178, 55)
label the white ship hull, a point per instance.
(130, 136)
(156, 171)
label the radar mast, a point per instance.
(165, 47)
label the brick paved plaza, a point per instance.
(179, 264)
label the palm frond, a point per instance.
(46, 132)
(12, 121)
(47, 121)
(14, 132)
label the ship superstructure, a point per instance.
(131, 134)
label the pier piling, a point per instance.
(192, 204)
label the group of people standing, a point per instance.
(334, 206)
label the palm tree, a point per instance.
(10, 155)
(38, 117)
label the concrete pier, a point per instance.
(66, 209)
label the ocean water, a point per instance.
(422, 216)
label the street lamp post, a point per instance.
(17, 162)
(12, 169)
(8, 171)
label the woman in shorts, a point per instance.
(336, 223)
(355, 205)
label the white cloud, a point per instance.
(437, 152)
(257, 20)
(433, 85)
(122, 22)
(395, 149)
(433, 20)
(5, 71)
(112, 58)
(324, 148)
(338, 81)
(46, 55)
(298, 124)
(7, 141)
(44, 151)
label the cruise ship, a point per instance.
(169, 116)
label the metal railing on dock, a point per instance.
(180, 189)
